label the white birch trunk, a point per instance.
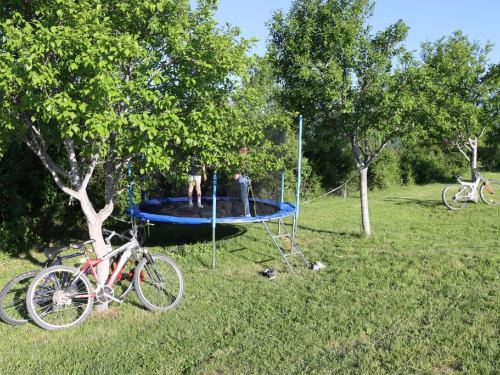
(363, 191)
(94, 222)
(473, 163)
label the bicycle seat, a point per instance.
(77, 245)
(457, 177)
(52, 252)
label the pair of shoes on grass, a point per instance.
(316, 266)
(270, 273)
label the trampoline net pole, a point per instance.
(214, 215)
(130, 192)
(299, 165)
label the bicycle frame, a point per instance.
(472, 186)
(126, 251)
(469, 188)
(62, 296)
(59, 260)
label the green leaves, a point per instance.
(461, 101)
(117, 79)
(343, 79)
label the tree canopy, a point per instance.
(347, 81)
(460, 92)
(109, 82)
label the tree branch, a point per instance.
(73, 163)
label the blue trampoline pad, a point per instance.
(228, 210)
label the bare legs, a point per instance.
(198, 191)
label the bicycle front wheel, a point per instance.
(490, 194)
(158, 284)
(454, 197)
(13, 299)
(58, 299)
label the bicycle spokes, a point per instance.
(58, 298)
(487, 192)
(162, 286)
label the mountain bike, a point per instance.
(457, 197)
(63, 296)
(13, 295)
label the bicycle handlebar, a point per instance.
(125, 234)
(112, 234)
(143, 224)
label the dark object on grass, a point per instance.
(270, 273)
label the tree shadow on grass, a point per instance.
(37, 264)
(353, 235)
(418, 202)
(164, 234)
(59, 236)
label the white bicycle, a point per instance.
(457, 197)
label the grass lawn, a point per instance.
(420, 297)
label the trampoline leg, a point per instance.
(213, 247)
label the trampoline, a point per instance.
(228, 210)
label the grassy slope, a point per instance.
(421, 297)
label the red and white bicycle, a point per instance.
(63, 296)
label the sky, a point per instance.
(429, 20)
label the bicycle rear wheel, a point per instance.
(57, 299)
(13, 299)
(159, 285)
(454, 197)
(491, 195)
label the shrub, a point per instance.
(423, 163)
(384, 172)
(33, 210)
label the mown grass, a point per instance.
(420, 297)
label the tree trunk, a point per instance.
(94, 222)
(473, 163)
(363, 191)
(473, 160)
(95, 232)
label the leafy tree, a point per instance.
(111, 81)
(344, 79)
(336, 171)
(255, 102)
(256, 110)
(491, 152)
(460, 93)
(423, 161)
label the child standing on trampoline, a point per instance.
(194, 179)
(244, 181)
